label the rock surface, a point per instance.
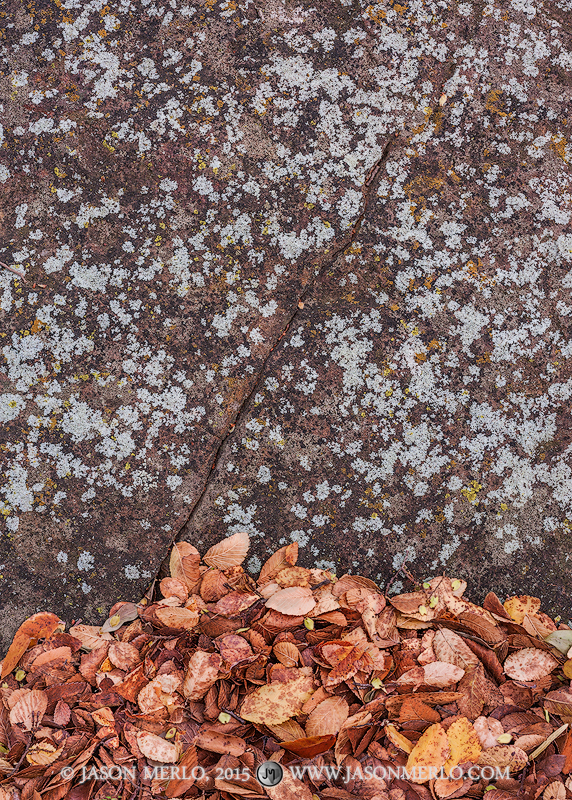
(247, 304)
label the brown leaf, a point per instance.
(414, 709)
(311, 746)
(472, 687)
(43, 753)
(187, 763)
(132, 684)
(179, 618)
(287, 653)
(559, 702)
(529, 664)
(158, 693)
(29, 709)
(276, 702)
(123, 655)
(202, 673)
(217, 742)
(327, 717)
(289, 788)
(352, 661)
(184, 564)
(91, 662)
(449, 647)
(229, 553)
(488, 729)
(213, 585)
(62, 713)
(293, 576)
(294, 601)
(447, 789)
(285, 557)
(286, 731)
(437, 673)
(156, 748)
(234, 603)
(504, 755)
(119, 615)
(554, 791)
(38, 626)
(174, 587)
(415, 605)
(233, 648)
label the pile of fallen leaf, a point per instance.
(301, 668)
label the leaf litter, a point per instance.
(216, 674)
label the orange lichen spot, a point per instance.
(558, 144)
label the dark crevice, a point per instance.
(319, 267)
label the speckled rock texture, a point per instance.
(299, 268)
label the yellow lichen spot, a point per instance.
(388, 392)
(471, 494)
(504, 506)
(59, 173)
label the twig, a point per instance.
(15, 271)
(235, 716)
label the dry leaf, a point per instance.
(464, 743)
(184, 564)
(473, 687)
(398, 739)
(43, 753)
(90, 636)
(429, 755)
(327, 717)
(285, 557)
(178, 618)
(288, 730)
(554, 791)
(29, 709)
(310, 746)
(187, 764)
(229, 553)
(234, 648)
(156, 748)
(519, 607)
(38, 626)
(529, 664)
(234, 603)
(276, 702)
(294, 601)
(202, 672)
(217, 742)
(504, 755)
(449, 647)
(123, 655)
(286, 653)
(289, 788)
(173, 587)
